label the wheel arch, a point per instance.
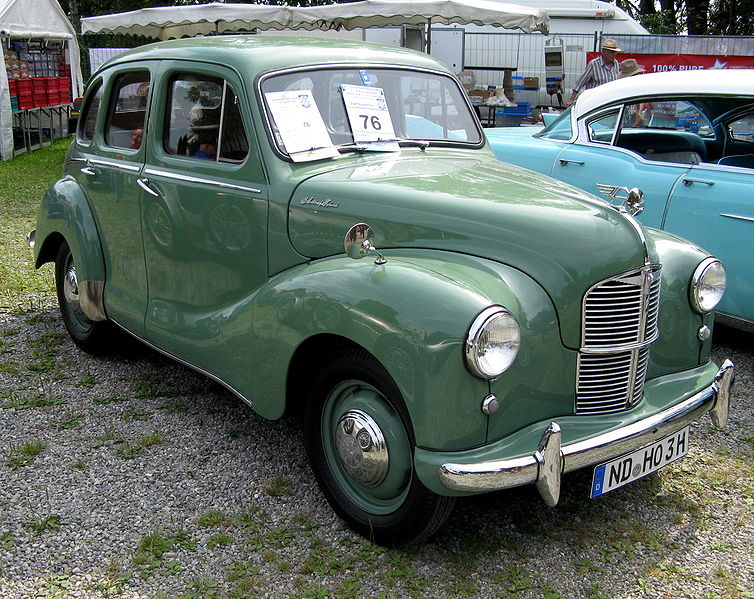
(411, 315)
(65, 216)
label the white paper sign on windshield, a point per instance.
(300, 125)
(369, 117)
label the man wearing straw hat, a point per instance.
(600, 70)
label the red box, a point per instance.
(25, 101)
(12, 87)
(23, 86)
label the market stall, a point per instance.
(39, 75)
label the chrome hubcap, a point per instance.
(361, 448)
(71, 289)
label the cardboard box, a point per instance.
(480, 94)
(531, 82)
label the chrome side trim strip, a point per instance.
(131, 168)
(210, 182)
(201, 371)
(537, 468)
(737, 217)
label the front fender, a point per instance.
(678, 346)
(412, 314)
(65, 212)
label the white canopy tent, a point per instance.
(33, 19)
(173, 22)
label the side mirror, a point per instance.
(359, 242)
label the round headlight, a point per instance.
(707, 285)
(492, 343)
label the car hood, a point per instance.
(560, 236)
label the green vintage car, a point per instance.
(321, 227)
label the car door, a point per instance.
(713, 207)
(205, 214)
(595, 159)
(111, 158)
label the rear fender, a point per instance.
(65, 215)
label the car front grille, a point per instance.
(619, 324)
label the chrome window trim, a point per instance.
(201, 181)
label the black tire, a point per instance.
(353, 403)
(93, 337)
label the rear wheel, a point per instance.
(91, 336)
(361, 446)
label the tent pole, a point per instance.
(429, 36)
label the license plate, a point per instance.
(632, 466)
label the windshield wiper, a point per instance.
(402, 142)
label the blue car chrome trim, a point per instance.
(544, 467)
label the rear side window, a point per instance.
(204, 120)
(128, 108)
(89, 114)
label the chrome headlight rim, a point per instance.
(702, 271)
(478, 328)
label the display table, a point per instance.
(37, 127)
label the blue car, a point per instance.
(686, 139)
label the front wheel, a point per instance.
(91, 336)
(360, 445)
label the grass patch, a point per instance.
(151, 439)
(280, 486)
(25, 454)
(38, 526)
(23, 182)
(69, 422)
(157, 545)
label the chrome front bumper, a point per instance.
(545, 466)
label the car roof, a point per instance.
(259, 53)
(699, 83)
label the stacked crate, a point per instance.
(37, 76)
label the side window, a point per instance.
(204, 120)
(559, 129)
(128, 108)
(89, 114)
(742, 129)
(602, 129)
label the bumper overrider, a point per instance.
(545, 466)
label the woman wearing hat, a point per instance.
(600, 70)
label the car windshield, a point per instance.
(322, 112)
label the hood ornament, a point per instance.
(632, 202)
(359, 242)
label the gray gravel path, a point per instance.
(131, 476)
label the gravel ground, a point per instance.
(131, 476)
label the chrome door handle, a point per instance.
(143, 182)
(89, 169)
(565, 161)
(687, 181)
